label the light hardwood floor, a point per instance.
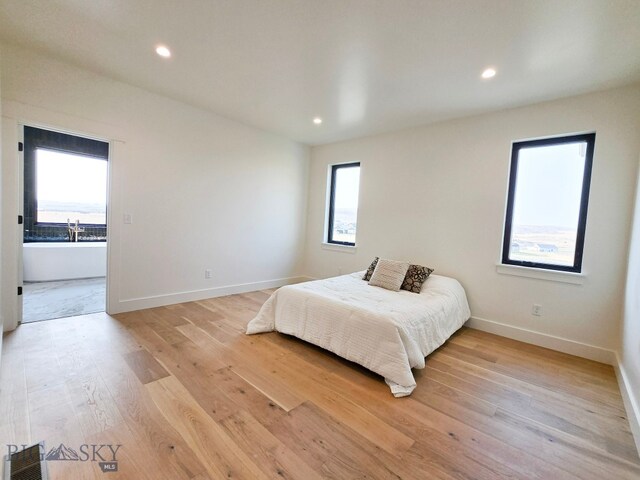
(189, 396)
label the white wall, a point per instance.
(630, 351)
(1, 195)
(435, 195)
(204, 191)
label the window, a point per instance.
(65, 177)
(343, 203)
(70, 186)
(547, 204)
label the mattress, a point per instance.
(387, 332)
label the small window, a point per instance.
(343, 204)
(547, 204)
(70, 187)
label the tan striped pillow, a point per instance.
(389, 274)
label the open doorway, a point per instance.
(65, 225)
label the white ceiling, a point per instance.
(364, 66)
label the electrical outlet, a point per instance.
(207, 273)
(536, 310)
(127, 218)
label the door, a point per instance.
(63, 253)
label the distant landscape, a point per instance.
(59, 212)
(344, 225)
(543, 244)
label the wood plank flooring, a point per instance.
(188, 396)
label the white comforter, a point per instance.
(387, 332)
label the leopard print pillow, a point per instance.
(415, 277)
(372, 267)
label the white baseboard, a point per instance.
(630, 399)
(560, 344)
(132, 304)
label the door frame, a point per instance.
(15, 117)
(21, 190)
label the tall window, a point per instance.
(343, 203)
(70, 186)
(547, 204)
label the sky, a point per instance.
(63, 177)
(549, 185)
(347, 187)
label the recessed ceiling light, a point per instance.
(489, 73)
(163, 51)
(317, 120)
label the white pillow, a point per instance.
(389, 274)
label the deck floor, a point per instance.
(63, 298)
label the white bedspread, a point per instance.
(387, 332)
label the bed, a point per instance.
(387, 332)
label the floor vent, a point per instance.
(27, 464)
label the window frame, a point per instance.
(589, 139)
(332, 192)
